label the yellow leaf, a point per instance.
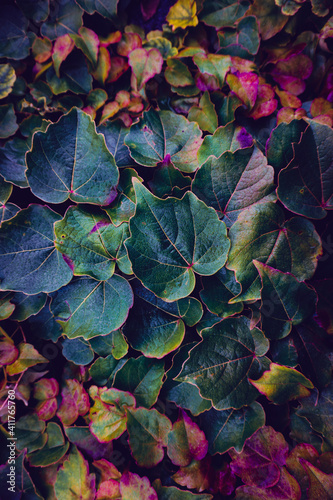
(183, 14)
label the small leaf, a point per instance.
(215, 65)
(30, 433)
(62, 47)
(103, 370)
(28, 356)
(145, 64)
(73, 478)
(12, 161)
(270, 18)
(7, 79)
(186, 441)
(204, 114)
(148, 433)
(162, 135)
(78, 351)
(8, 123)
(183, 14)
(187, 237)
(82, 169)
(265, 103)
(177, 73)
(88, 42)
(8, 353)
(87, 308)
(133, 486)
(218, 290)
(245, 86)
(75, 402)
(74, 77)
(223, 14)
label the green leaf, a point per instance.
(36, 11)
(204, 114)
(148, 433)
(173, 493)
(108, 10)
(78, 351)
(89, 242)
(74, 77)
(63, 46)
(54, 449)
(222, 362)
(123, 208)
(218, 290)
(45, 325)
(24, 487)
(141, 377)
(86, 441)
(169, 181)
(177, 73)
(7, 79)
(108, 415)
(213, 64)
(261, 233)
(113, 343)
(29, 261)
(87, 308)
(145, 64)
(88, 42)
(172, 238)
(8, 211)
(230, 428)
(114, 133)
(66, 17)
(269, 16)
(227, 138)
(8, 123)
(234, 181)
(280, 145)
(186, 441)
(223, 13)
(27, 305)
(14, 39)
(103, 370)
(156, 327)
(183, 14)
(5, 191)
(12, 161)
(73, 478)
(164, 135)
(133, 486)
(243, 41)
(70, 160)
(282, 384)
(30, 433)
(284, 301)
(305, 185)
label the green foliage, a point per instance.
(165, 249)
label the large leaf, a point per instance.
(70, 160)
(141, 377)
(306, 185)
(222, 362)
(148, 433)
(234, 181)
(89, 242)
(87, 308)
(230, 428)
(172, 238)
(162, 135)
(286, 488)
(14, 40)
(106, 9)
(115, 133)
(156, 327)
(29, 261)
(284, 301)
(261, 233)
(73, 478)
(75, 402)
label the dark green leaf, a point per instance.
(113, 343)
(279, 147)
(66, 17)
(14, 40)
(37, 11)
(78, 351)
(53, 450)
(105, 9)
(123, 208)
(218, 290)
(115, 133)
(8, 123)
(12, 161)
(223, 13)
(27, 305)
(74, 77)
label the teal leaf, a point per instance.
(172, 238)
(12, 161)
(105, 9)
(29, 262)
(103, 370)
(30, 433)
(14, 40)
(74, 76)
(5, 191)
(285, 301)
(223, 13)
(173, 493)
(8, 123)
(27, 305)
(66, 17)
(244, 41)
(218, 290)
(156, 327)
(89, 242)
(230, 428)
(115, 133)
(53, 450)
(142, 377)
(87, 308)
(306, 184)
(234, 181)
(261, 233)
(70, 160)
(87, 442)
(169, 181)
(162, 135)
(8, 211)
(45, 325)
(24, 487)
(78, 351)
(279, 147)
(222, 362)
(113, 343)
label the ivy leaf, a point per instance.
(234, 181)
(108, 10)
(244, 41)
(81, 168)
(37, 12)
(9, 353)
(145, 64)
(305, 185)
(270, 18)
(74, 77)
(222, 362)
(204, 114)
(45, 324)
(54, 449)
(89, 242)
(183, 14)
(114, 133)
(218, 290)
(148, 433)
(173, 493)
(169, 181)
(284, 301)
(164, 135)
(230, 428)
(186, 441)
(263, 456)
(103, 370)
(29, 261)
(14, 39)
(177, 73)
(88, 42)
(133, 486)
(7, 79)
(287, 488)
(261, 233)
(156, 327)
(12, 161)
(30, 433)
(26, 305)
(63, 46)
(187, 237)
(66, 17)
(141, 377)
(282, 384)
(215, 65)
(73, 478)
(87, 308)
(108, 415)
(114, 342)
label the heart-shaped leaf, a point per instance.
(87, 308)
(187, 237)
(70, 160)
(163, 135)
(145, 64)
(66, 17)
(222, 362)
(29, 261)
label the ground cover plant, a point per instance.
(166, 277)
